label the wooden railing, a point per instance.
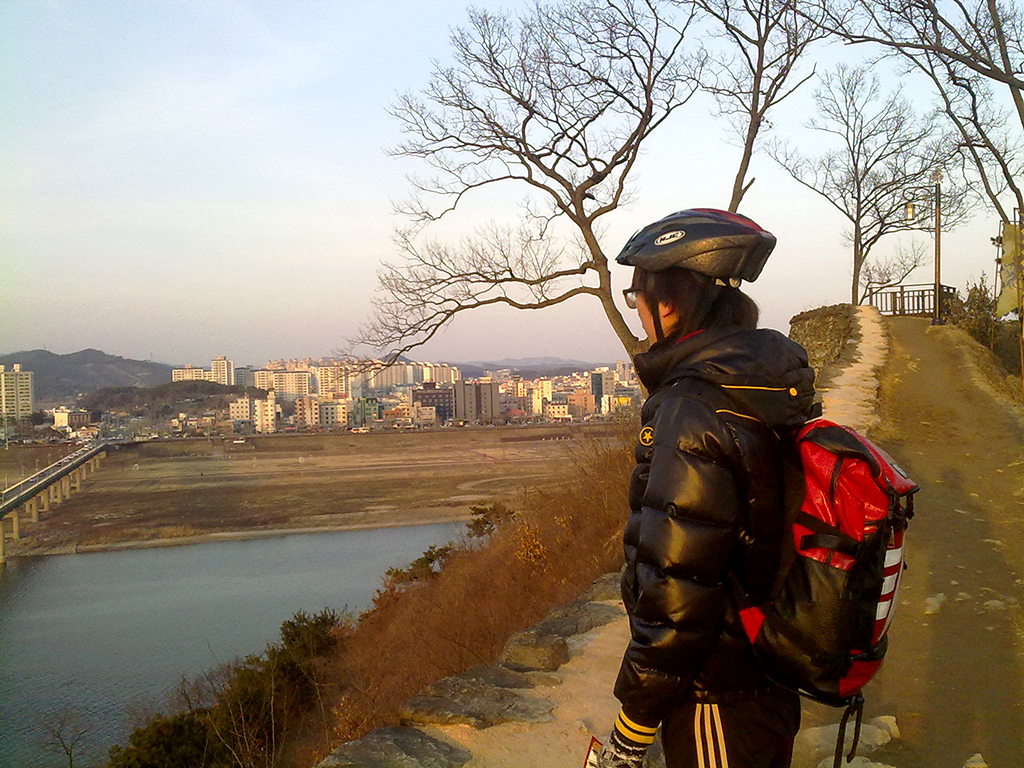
(917, 300)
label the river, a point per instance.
(107, 635)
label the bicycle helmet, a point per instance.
(719, 244)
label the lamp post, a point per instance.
(937, 198)
(937, 319)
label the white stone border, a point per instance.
(852, 398)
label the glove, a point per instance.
(627, 745)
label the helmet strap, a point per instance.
(656, 319)
(654, 308)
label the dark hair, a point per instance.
(696, 299)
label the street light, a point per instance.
(937, 197)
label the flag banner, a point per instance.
(1009, 269)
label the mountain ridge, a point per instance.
(60, 379)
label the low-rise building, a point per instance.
(581, 404)
(441, 399)
(68, 420)
(557, 412)
(332, 413)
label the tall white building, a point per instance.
(222, 371)
(16, 396)
(292, 384)
(332, 378)
(264, 417)
(263, 378)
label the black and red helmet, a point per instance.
(715, 243)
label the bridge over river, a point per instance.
(45, 488)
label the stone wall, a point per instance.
(824, 332)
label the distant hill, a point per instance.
(62, 378)
(527, 367)
(165, 400)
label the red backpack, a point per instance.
(822, 632)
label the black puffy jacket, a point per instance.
(706, 501)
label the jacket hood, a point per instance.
(763, 372)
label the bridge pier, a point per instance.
(32, 508)
(44, 500)
(15, 525)
(3, 539)
(76, 480)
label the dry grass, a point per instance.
(985, 371)
(555, 546)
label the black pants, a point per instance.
(750, 733)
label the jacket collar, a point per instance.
(660, 362)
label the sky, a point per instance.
(181, 180)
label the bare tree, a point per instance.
(968, 50)
(885, 154)
(557, 102)
(64, 731)
(752, 69)
(880, 274)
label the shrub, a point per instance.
(976, 315)
(238, 715)
(487, 518)
(171, 742)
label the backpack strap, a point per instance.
(856, 706)
(825, 536)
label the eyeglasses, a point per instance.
(630, 295)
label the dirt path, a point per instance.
(954, 677)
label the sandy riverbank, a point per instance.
(405, 520)
(185, 492)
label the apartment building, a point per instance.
(242, 409)
(332, 413)
(307, 412)
(263, 378)
(244, 377)
(292, 384)
(365, 411)
(16, 396)
(441, 399)
(222, 371)
(265, 414)
(188, 373)
(477, 400)
(331, 378)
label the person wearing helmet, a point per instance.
(706, 523)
